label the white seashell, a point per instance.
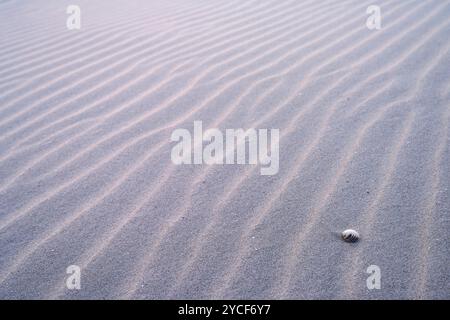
(350, 235)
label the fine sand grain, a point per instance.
(86, 176)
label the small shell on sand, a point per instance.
(350, 235)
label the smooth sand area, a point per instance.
(86, 176)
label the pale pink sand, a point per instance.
(86, 177)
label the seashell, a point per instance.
(350, 235)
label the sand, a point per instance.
(86, 176)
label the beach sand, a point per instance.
(86, 176)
